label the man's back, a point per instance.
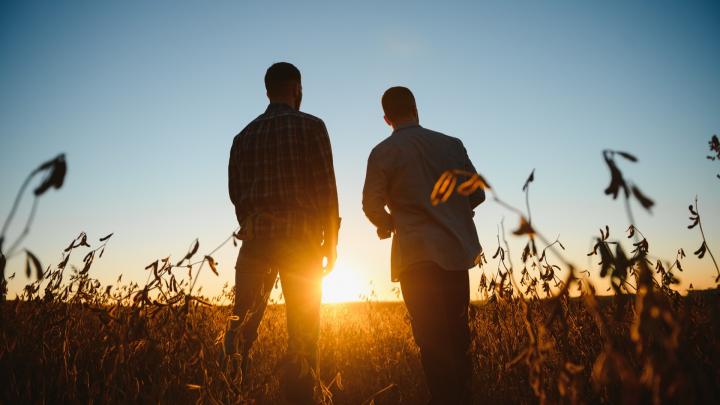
(281, 177)
(407, 164)
(433, 246)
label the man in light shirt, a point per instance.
(433, 246)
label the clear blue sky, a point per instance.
(145, 98)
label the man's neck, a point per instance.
(288, 102)
(405, 123)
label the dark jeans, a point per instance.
(437, 301)
(299, 264)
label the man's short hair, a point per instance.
(279, 76)
(398, 102)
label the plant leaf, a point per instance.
(27, 267)
(617, 181)
(31, 258)
(700, 253)
(469, 186)
(152, 265)
(64, 262)
(646, 202)
(213, 264)
(3, 262)
(524, 228)
(194, 249)
(88, 259)
(56, 177)
(529, 180)
(631, 231)
(441, 184)
(627, 156)
(191, 252)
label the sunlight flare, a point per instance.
(342, 285)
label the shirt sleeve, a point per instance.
(234, 188)
(375, 197)
(478, 196)
(322, 179)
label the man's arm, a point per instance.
(478, 196)
(233, 180)
(324, 186)
(375, 195)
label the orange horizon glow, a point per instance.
(343, 284)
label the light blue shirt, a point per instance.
(401, 173)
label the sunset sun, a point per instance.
(343, 284)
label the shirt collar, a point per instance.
(406, 126)
(278, 107)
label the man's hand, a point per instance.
(384, 233)
(329, 245)
(329, 258)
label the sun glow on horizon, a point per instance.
(342, 284)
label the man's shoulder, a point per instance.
(251, 125)
(298, 116)
(391, 142)
(386, 144)
(309, 117)
(440, 135)
(436, 138)
(292, 114)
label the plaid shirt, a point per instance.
(281, 177)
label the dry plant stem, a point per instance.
(371, 400)
(702, 233)
(197, 274)
(628, 211)
(539, 235)
(631, 218)
(571, 276)
(566, 285)
(527, 204)
(26, 230)
(544, 240)
(523, 304)
(15, 206)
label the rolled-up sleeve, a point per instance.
(375, 190)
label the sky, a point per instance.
(144, 98)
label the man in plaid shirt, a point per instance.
(282, 184)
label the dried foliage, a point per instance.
(540, 332)
(55, 170)
(714, 144)
(635, 349)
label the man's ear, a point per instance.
(387, 120)
(298, 95)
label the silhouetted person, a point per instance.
(282, 184)
(432, 247)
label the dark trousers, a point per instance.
(437, 301)
(299, 264)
